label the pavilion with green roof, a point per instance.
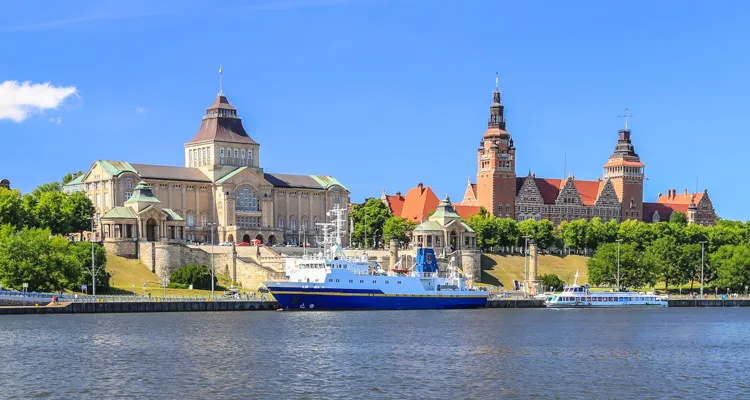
(445, 229)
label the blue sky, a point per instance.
(383, 93)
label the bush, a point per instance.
(174, 285)
(197, 275)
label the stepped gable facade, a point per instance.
(618, 194)
(221, 188)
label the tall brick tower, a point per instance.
(625, 170)
(496, 161)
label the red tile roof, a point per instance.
(665, 210)
(419, 202)
(466, 211)
(550, 189)
(396, 203)
(682, 198)
(589, 190)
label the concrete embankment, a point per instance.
(709, 303)
(131, 307)
(515, 303)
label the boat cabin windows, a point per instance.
(386, 282)
(361, 281)
(398, 282)
(351, 281)
(330, 280)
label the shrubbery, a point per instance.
(197, 275)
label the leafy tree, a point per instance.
(50, 213)
(29, 210)
(46, 188)
(552, 282)
(478, 222)
(689, 263)
(398, 227)
(77, 209)
(375, 213)
(633, 272)
(726, 233)
(662, 255)
(508, 231)
(32, 256)
(732, 263)
(197, 275)
(11, 208)
(678, 217)
(81, 251)
(574, 234)
(543, 232)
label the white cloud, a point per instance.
(57, 120)
(19, 100)
(140, 110)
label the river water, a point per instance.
(478, 354)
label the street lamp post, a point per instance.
(211, 225)
(93, 266)
(618, 263)
(703, 243)
(525, 246)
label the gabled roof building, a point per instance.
(221, 187)
(618, 194)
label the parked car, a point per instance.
(255, 241)
(243, 244)
(226, 244)
(263, 289)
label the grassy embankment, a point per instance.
(503, 269)
(128, 277)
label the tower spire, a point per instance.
(497, 119)
(221, 83)
(626, 116)
(497, 82)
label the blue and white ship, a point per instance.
(332, 282)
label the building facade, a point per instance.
(618, 194)
(221, 189)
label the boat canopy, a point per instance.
(426, 260)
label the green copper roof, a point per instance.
(116, 168)
(231, 174)
(142, 194)
(171, 215)
(428, 226)
(327, 181)
(445, 210)
(77, 181)
(119, 212)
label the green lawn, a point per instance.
(128, 276)
(503, 269)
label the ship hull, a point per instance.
(296, 299)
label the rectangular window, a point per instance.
(106, 199)
(204, 220)
(243, 154)
(236, 152)
(96, 185)
(249, 154)
(351, 281)
(330, 280)
(106, 184)
(191, 220)
(98, 200)
(208, 156)
(361, 281)
(128, 195)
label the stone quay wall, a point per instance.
(123, 248)
(132, 307)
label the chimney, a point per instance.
(660, 194)
(533, 175)
(686, 192)
(420, 185)
(398, 194)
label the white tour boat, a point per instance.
(574, 296)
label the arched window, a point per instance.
(293, 222)
(303, 223)
(281, 221)
(247, 200)
(632, 202)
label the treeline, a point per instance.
(33, 248)
(650, 253)
(47, 207)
